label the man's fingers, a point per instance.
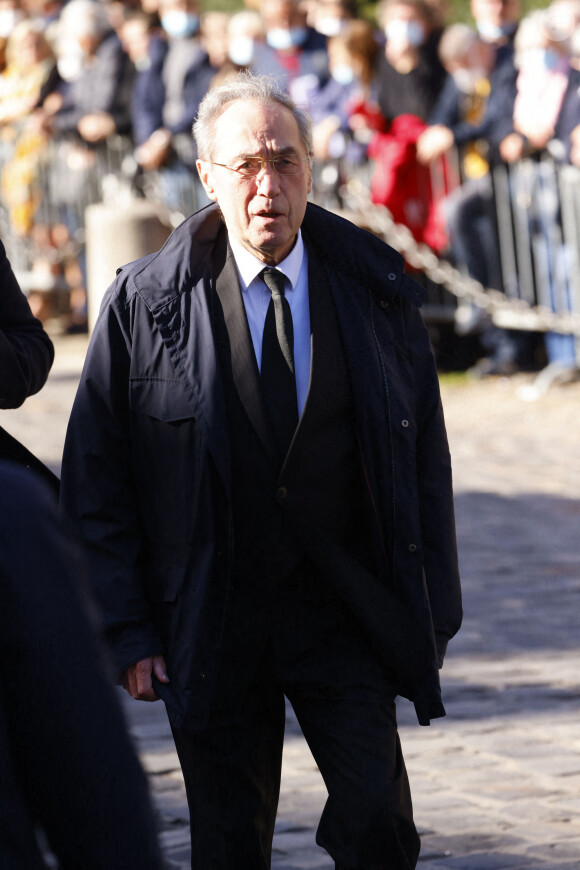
(137, 680)
(160, 669)
(145, 690)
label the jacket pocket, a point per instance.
(163, 400)
(163, 572)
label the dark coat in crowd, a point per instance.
(149, 94)
(156, 514)
(102, 86)
(413, 93)
(66, 761)
(309, 62)
(497, 121)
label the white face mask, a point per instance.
(241, 50)
(539, 59)
(399, 30)
(279, 38)
(179, 23)
(330, 26)
(282, 39)
(492, 32)
(466, 80)
(9, 18)
(343, 74)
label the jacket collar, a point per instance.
(184, 258)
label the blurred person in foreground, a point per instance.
(257, 463)
(67, 766)
(26, 356)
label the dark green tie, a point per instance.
(278, 380)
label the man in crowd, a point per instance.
(258, 465)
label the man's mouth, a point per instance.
(267, 213)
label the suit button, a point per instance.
(404, 424)
(281, 492)
(412, 548)
(392, 276)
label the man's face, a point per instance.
(263, 213)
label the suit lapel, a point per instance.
(245, 373)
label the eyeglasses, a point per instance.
(250, 167)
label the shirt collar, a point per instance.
(249, 267)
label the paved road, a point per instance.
(496, 784)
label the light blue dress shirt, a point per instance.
(257, 297)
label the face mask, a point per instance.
(178, 22)
(465, 79)
(70, 63)
(298, 35)
(241, 50)
(330, 26)
(535, 59)
(343, 74)
(399, 31)
(9, 18)
(492, 32)
(279, 38)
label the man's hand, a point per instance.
(512, 147)
(433, 142)
(137, 680)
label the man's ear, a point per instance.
(205, 174)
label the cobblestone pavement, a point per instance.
(496, 784)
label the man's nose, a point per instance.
(267, 179)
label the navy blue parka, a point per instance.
(146, 468)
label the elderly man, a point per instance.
(257, 462)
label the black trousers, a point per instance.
(295, 639)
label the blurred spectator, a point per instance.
(30, 72)
(410, 78)
(338, 105)
(344, 111)
(470, 211)
(171, 89)
(67, 765)
(11, 12)
(542, 57)
(410, 74)
(294, 53)
(329, 17)
(91, 100)
(30, 66)
(245, 29)
(137, 33)
(214, 37)
(544, 70)
(467, 60)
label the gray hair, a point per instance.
(245, 86)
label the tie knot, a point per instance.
(274, 281)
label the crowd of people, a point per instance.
(389, 98)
